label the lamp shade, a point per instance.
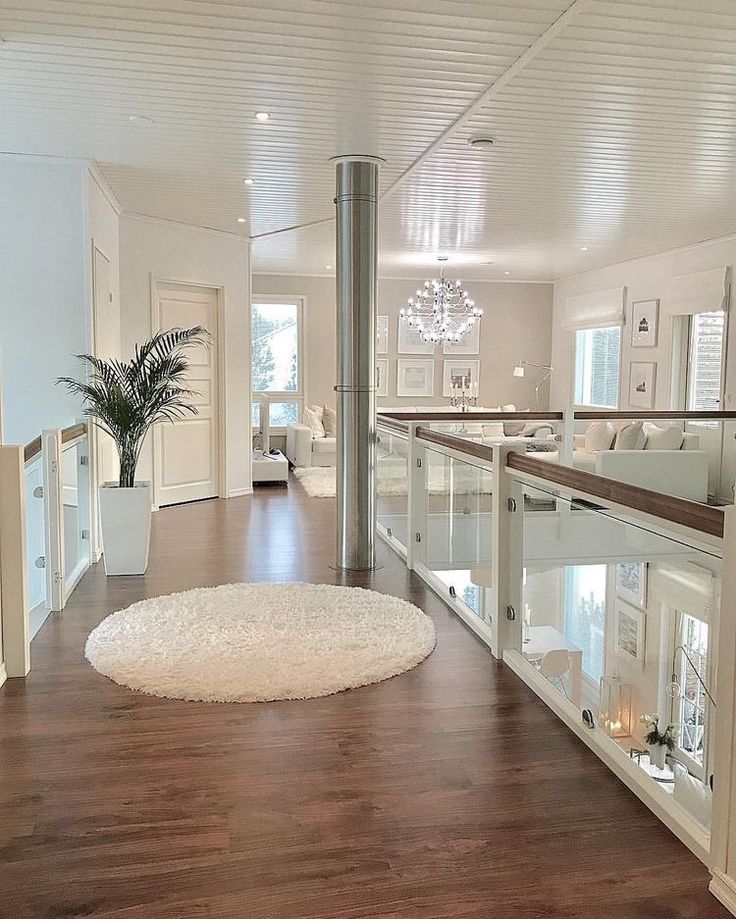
(519, 371)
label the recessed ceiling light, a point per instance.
(507, 272)
(248, 181)
(262, 116)
(140, 119)
(583, 248)
(241, 219)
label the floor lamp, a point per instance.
(520, 371)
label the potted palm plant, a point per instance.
(125, 399)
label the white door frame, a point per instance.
(219, 345)
(95, 540)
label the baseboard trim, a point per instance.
(240, 492)
(3, 673)
(723, 889)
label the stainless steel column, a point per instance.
(356, 284)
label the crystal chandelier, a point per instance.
(441, 310)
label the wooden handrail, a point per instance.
(645, 416)
(73, 432)
(471, 447)
(472, 417)
(32, 449)
(701, 517)
(391, 424)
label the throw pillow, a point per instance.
(631, 437)
(313, 420)
(599, 436)
(662, 438)
(539, 429)
(329, 421)
(514, 428)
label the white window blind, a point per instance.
(698, 292)
(595, 309)
(597, 366)
(705, 362)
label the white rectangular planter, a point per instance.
(125, 519)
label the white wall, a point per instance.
(44, 306)
(644, 279)
(168, 251)
(104, 233)
(517, 324)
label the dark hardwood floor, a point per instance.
(449, 791)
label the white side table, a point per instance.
(271, 467)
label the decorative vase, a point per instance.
(125, 521)
(657, 754)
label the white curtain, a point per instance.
(699, 292)
(597, 309)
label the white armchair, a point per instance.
(304, 449)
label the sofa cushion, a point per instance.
(631, 437)
(329, 421)
(313, 420)
(662, 438)
(599, 436)
(495, 429)
(538, 429)
(324, 445)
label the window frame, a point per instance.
(679, 666)
(689, 363)
(595, 328)
(298, 395)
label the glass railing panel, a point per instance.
(458, 553)
(35, 533)
(616, 617)
(72, 500)
(392, 481)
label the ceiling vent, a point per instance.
(481, 142)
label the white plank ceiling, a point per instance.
(614, 122)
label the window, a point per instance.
(585, 614)
(705, 361)
(690, 704)
(597, 366)
(276, 358)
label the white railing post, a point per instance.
(54, 518)
(16, 642)
(568, 436)
(723, 829)
(417, 500)
(506, 555)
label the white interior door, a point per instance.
(186, 454)
(106, 345)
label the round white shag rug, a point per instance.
(260, 642)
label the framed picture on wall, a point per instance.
(631, 582)
(630, 633)
(453, 372)
(415, 378)
(468, 344)
(381, 334)
(410, 341)
(642, 380)
(382, 376)
(644, 323)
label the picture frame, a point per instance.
(642, 384)
(630, 633)
(415, 378)
(410, 341)
(632, 582)
(644, 323)
(381, 334)
(382, 376)
(468, 344)
(459, 368)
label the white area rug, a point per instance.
(260, 642)
(319, 481)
